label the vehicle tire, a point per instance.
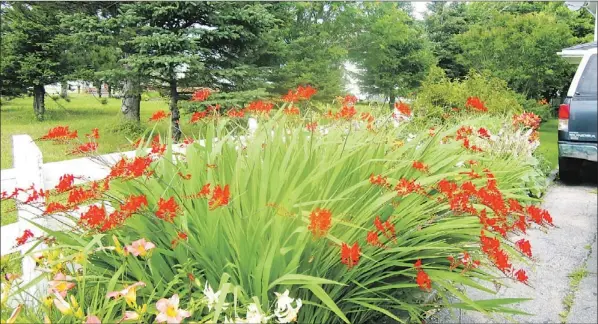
(569, 170)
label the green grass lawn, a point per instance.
(549, 141)
(82, 113)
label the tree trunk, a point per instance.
(64, 89)
(38, 101)
(131, 100)
(78, 88)
(174, 111)
(99, 89)
(109, 90)
(391, 102)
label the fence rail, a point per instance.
(29, 169)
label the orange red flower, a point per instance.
(201, 95)
(220, 197)
(159, 115)
(59, 133)
(27, 234)
(167, 209)
(420, 166)
(403, 108)
(260, 107)
(320, 222)
(476, 103)
(350, 255)
(524, 246)
(311, 126)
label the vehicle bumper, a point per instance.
(582, 151)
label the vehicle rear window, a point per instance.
(587, 84)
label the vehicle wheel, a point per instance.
(569, 170)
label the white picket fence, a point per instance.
(29, 169)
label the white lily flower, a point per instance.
(212, 297)
(255, 315)
(284, 311)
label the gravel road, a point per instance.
(562, 251)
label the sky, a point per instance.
(418, 9)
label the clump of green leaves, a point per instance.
(438, 94)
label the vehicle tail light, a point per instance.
(564, 117)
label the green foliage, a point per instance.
(439, 95)
(31, 54)
(533, 38)
(315, 38)
(545, 111)
(104, 101)
(259, 243)
(443, 22)
(236, 99)
(391, 51)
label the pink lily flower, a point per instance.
(128, 293)
(91, 319)
(140, 247)
(169, 310)
(60, 284)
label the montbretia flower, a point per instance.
(483, 133)
(61, 284)
(320, 222)
(169, 312)
(350, 255)
(201, 95)
(379, 181)
(291, 111)
(423, 281)
(159, 115)
(27, 234)
(372, 239)
(347, 112)
(167, 209)
(521, 276)
(60, 133)
(133, 204)
(476, 104)
(140, 247)
(349, 100)
(95, 134)
(235, 113)
(65, 183)
(420, 166)
(311, 126)
(197, 116)
(524, 246)
(403, 108)
(94, 216)
(306, 92)
(220, 197)
(260, 107)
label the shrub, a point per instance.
(544, 110)
(127, 128)
(352, 221)
(104, 101)
(438, 95)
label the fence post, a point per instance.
(28, 162)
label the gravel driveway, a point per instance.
(561, 255)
